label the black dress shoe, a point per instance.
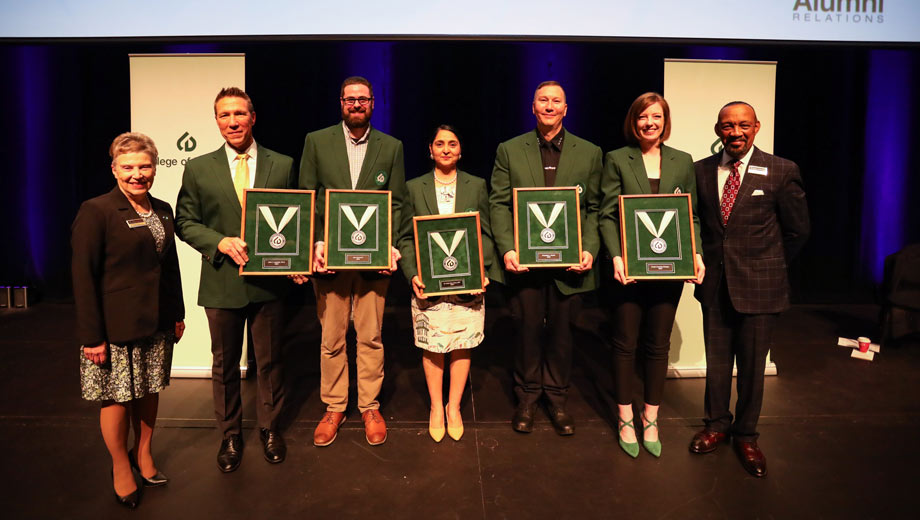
(157, 480)
(751, 458)
(563, 423)
(231, 453)
(522, 421)
(273, 446)
(131, 500)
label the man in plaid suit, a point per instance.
(754, 220)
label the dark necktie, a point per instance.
(730, 191)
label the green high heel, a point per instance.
(653, 447)
(631, 448)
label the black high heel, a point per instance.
(130, 501)
(155, 481)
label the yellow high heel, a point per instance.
(436, 433)
(455, 432)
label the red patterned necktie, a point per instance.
(730, 191)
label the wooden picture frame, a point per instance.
(445, 269)
(547, 240)
(276, 248)
(652, 248)
(353, 241)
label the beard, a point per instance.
(360, 118)
(733, 152)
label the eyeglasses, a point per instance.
(363, 101)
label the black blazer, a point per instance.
(122, 288)
(767, 227)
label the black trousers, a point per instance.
(733, 337)
(543, 339)
(643, 315)
(265, 332)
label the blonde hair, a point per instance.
(133, 142)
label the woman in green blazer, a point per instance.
(446, 324)
(645, 166)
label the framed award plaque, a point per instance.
(448, 253)
(278, 228)
(547, 226)
(657, 236)
(358, 229)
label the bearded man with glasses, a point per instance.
(351, 155)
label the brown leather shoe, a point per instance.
(751, 458)
(375, 430)
(328, 428)
(706, 441)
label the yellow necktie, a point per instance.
(241, 179)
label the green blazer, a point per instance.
(518, 164)
(624, 174)
(207, 210)
(420, 201)
(324, 165)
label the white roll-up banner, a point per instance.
(172, 101)
(696, 90)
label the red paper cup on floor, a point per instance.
(863, 344)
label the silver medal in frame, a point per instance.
(277, 241)
(450, 263)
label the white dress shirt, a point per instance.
(356, 152)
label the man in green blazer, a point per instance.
(352, 155)
(208, 215)
(544, 301)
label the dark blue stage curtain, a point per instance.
(888, 145)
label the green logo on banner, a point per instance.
(186, 143)
(716, 146)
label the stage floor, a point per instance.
(840, 436)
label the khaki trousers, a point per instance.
(335, 298)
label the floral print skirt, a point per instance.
(447, 323)
(133, 370)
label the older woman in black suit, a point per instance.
(129, 308)
(645, 166)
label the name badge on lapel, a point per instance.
(136, 223)
(757, 170)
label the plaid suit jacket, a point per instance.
(768, 226)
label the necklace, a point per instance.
(450, 181)
(138, 208)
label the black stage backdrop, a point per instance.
(66, 100)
